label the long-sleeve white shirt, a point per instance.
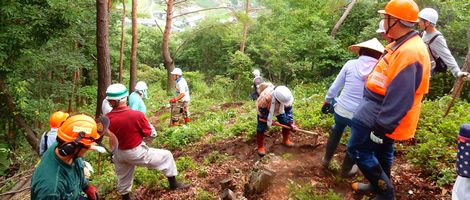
(440, 50)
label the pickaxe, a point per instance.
(456, 94)
(299, 130)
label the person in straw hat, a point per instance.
(352, 79)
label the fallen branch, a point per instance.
(14, 192)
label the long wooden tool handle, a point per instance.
(288, 127)
(457, 92)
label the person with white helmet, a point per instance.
(137, 103)
(381, 30)
(274, 101)
(180, 104)
(441, 57)
(257, 81)
(130, 126)
(351, 79)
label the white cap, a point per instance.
(116, 92)
(283, 95)
(256, 72)
(381, 27)
(429, 15)
(177, 71)
(140, 86)
(373, 44)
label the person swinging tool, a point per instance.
(274, 101)
(60, 174)
(180, 104)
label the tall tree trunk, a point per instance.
(28, 134)
(466, 65)
(245, 26)
(168, 62)
(102, 46)
(133, 69)
(122, 40)
(340, 21)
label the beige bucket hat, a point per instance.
(373, 44)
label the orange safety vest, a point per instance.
(411, 51)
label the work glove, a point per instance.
(100, 149)
(293, 127)
(325, 108)
(378, 133)
(91, 191)
(463, 75)
(173, 100)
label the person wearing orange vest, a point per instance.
(391, 104)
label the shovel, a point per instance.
(456, 93)
(299, 130)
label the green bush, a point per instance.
(309, 191)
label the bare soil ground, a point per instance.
(300, 163)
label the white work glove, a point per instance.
(98, 149)
(463, 74)
(154, 132)
(376, 139)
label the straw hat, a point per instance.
(373, 44)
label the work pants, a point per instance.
(178, 108)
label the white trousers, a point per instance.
(461, 190)
(126, 160)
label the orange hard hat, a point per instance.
(57, 118)
(72, 127)
(406, 10)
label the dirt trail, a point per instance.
(300, 163)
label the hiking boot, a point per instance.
(127, 197)
(174, 184)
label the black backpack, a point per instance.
(440, 65)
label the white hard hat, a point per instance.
(373, 44)
(256, 72)
(177, 71)
(381, 27)
(283, 95)
(429, 15)
(140, 86)
(116, 92)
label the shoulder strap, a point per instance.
(46, 134)
(429, 45)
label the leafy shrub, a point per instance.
(308, 191)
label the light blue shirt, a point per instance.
(136, 103)
(51, 138)
(353, 77)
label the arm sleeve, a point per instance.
(337, 84)
(399, 97)
(144, 125)
(289, 114)
(440, 50)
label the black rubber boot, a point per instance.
(349, 167)
(331, 145)
(380, 182)
(174, 184)
(126, 197)
(363, 187)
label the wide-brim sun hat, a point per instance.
(373, 44)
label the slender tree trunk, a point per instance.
(28, 134)
(168, 62)
(122, 40)
(340, 21)
(245, 26)
(466, 65)
(77, 97)
(102, 46)
(133, 70)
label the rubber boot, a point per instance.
(331, 145)
(285, 138)
(260, 141)
(349, 167)
(127, 197)
(380, 183)
(363, 187)
(174, 184)
(187, 120)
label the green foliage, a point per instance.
(215, 157)
(204, 195)
(309, 191)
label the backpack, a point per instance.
(440, 65)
